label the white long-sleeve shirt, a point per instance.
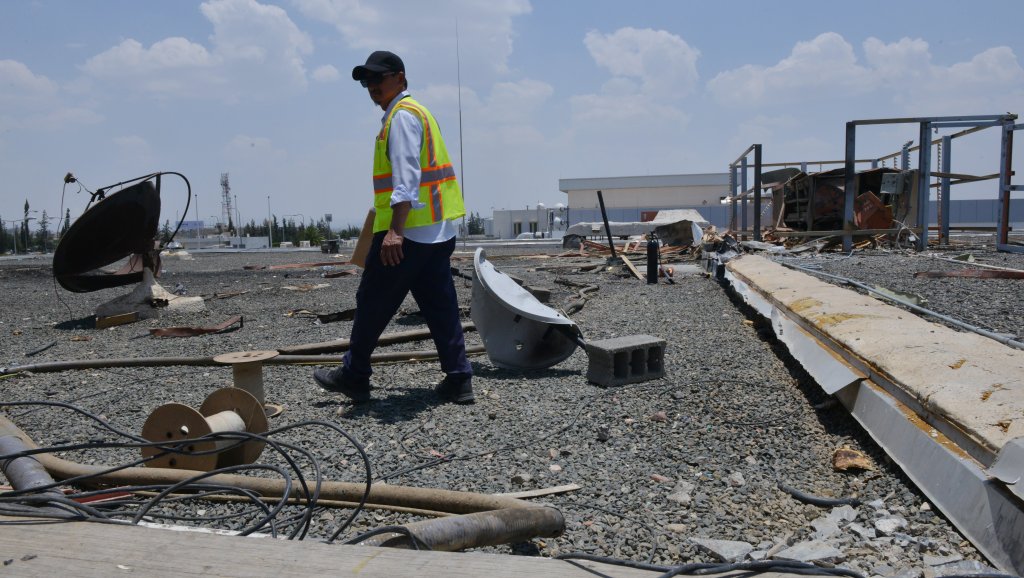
(404, 143)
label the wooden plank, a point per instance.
(101, 550)
(629, 265)
(542, 491)
(113, 320)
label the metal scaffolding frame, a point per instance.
(741, 163)
(739, 192)
(924, 165)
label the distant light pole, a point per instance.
(270, 224)
(238, 219)
(197, 220)
(14, 232)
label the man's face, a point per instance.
(383, 88)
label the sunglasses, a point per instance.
(375, 79)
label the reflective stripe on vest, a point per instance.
(437, 175)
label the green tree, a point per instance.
(165, 232)
(67, 222)
(43, 233)
(24, 229)
(475, 224)
(313, 235)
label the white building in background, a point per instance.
(629, 199)
(638, 199)
(539, 221)
(626, 199)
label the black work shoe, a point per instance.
(358, 390)
(458, 389)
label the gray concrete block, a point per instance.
(543, 294)
(622, 360)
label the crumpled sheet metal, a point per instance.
(518, 331)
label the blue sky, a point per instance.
(114, 89)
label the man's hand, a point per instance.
(391, 249)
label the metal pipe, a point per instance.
(1005, 340)
(344, 344)
(521, 519)
(607, 227)
(55, 366)
(23, 472)
(477, 530)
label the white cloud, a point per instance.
(255, 51)
(423, 33)
(899, 60)
(33, 101)
(21, 85)
(651, 71)
(994, 67)
(518, 101)
(663, 62)
(825, 65)
(326, 73)
(900, 73)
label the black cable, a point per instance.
(611, 561)
(416, 542)
(312, 495)
(79, 410)
(780, 566)
(818, 500)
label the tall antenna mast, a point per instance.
(462, 165)
(226, 210)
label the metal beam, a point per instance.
(936, 119)
(743, 187)
(851, 148)
(1005, 187)
(924, 166)
(947, 152)
(757, 192)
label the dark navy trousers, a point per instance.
(425, 270)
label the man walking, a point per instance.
(417, 200)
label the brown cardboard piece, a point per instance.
(365, 239)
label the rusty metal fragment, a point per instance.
(850, 459)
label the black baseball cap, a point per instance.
(378, 63)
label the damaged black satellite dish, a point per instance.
(122, 224)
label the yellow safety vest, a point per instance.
(439, 190)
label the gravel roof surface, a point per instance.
(661, 465)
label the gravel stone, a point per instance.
(734, 402)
